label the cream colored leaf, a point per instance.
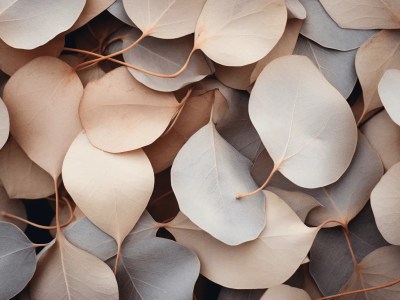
(165, 57)
(28, 25)
(206, 175)
(377, 268)
(237, 33)
(12, 206)
(12, 59)
(310, 134)
(164, 19)
(20, 176)
(295, 9)
(112, 190)
(265, 262)
(375, 56)
(319, 27)
(43, 99)
(389, 92)
(285, 292)
(92, 9)
(120, 114)
(4, 124)
(73, 274)
(385, 202)
(364, 14)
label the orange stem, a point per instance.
(180, 109)
(117, 258)
(347, 236)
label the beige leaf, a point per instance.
(92, 9)
(375, 56)
(265, 262)
(389, 92)
(385, 202)
(118, 11)
(27, 26)
(237, 33)
(164, 19)
(377, 268)
(112, 190)
(285, 292)
(295, 9)
(311, 134)
(364, 14)
(12, 59)
(43, 99)
(12, 206)
(120, 114)
(73, 274)
(4, 124)
(20, 176)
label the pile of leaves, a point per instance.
(200, 149)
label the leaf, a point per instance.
(17, 260)
(267, 261)
(377, 268)
(337, 66)
(157, 268)
(164, 19)
(384, 136)
(4, 124)
(43, 98)
(13, 206)
(317, 133)
(120, 114)
(233, 294)
(112, 190)
(385, 202)
(117, 10)
(345, 198)
(237, 33)
(375, 56)
(27, 26)
(73, 273)
(20, 176)
(285, 292)
(195, 114)
(365, 14)
(92, 9)
(206, 175)
(295, 9)
(390, 93)
(319, 27)
(12, 59)
(165, 57)
(330, 261)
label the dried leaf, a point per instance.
(164, 19)
(43, 98)
(234, 294)
(295, 9)
(118, 11)
(112, 190)
(206, 176)
(385, 202)
(4, 124)
(267, 261)
(92, 9)
(28, 26)
(13, 206)
(73, 273)
(285, 292)
(310, 134)
(389, 93)
(120, 114)
(17, 260)
(364, 14)
(237, 33)
(20, 176)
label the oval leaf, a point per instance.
(285, 292)
(43, 99)
(13, 206)
(389, 93)
(4, 124)
(206, 175)
(310, 134)
(120, 114)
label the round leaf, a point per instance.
(389, 93)
(4, 124)
(13, 206)
(285, 292)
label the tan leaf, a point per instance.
(120, 114)
(27, 26)
(265, 262)
(112, 190)
(389, 93)
(73, 273)
(285, 292)
(364, 14)
(295, 9)
(92, 9)
(311, 134)
(12, 206)
(4, 124)
(237, 33)
(43, 98)
(20, 176)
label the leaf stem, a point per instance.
(347, 236)
(117, 258)
(179, 111)
(370, 289)
(39, 245)
(274, 170)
